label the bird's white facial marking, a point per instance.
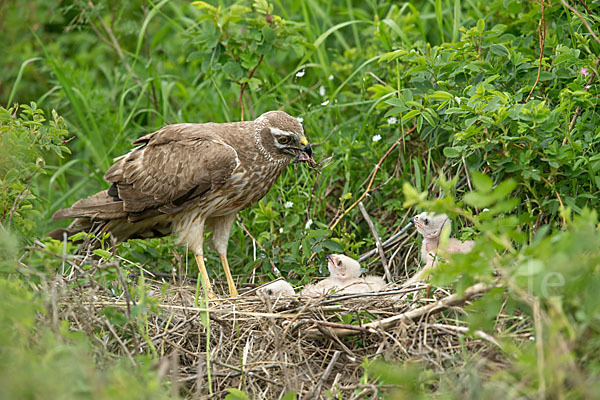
(283, 139)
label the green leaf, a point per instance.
(269, 34)
(102, 253)
(481, 182)
(233, 70)
(290, 395)
(317, 232)
(500, 50)
(453, 152)
(236, 394)
(480, 26)
(333, 246)
(439, 94)
(410, 114)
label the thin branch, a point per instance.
(241, 224)
(578, 109)
(542, 40)
(578, 14)
(322, 165)
(539, 344)
(314, 394)
(245, 84)
(334, 223)
(20, 197)
(433, 308)
(463, 329)
(385, 244)
(386, 268)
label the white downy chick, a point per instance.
(276, 289)
(430, 226)
(344, 278)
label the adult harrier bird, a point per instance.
(188, 177)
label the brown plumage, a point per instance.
(184, 177)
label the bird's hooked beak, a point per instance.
(305, 153)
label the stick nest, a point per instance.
(268, 347)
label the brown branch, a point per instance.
(336, 325)
(321, 166)
(386, 268)
(539, 345)
(334, 223)
(20, 197)
(586, 7)
(433, 308)
(245, 84)
(542, 40)
(578, 109)
(241, 224)
(463, 329)
(578, 14)
(316, 391)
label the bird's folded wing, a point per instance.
(171, 168)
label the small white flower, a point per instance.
(532, 338)
(300, 74)
(330, 77)
(376, 138)
(308, 223)
(300, 119)
(392, 120)
(322, 91)
(280, 230)
(288, 204)
(325, 103)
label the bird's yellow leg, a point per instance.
(204, 276)
(232, 290)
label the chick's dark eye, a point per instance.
(339, 263)
(284, 139)
(426, 222)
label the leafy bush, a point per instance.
(44, 361)
(24, 140)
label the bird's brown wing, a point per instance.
(167, 171)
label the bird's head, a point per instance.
(430, 225)
(342, 267)
(282, 136)
(277, 288)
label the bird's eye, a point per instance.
(269, 292)
(339, 263)
(284, 139)
(426, 221)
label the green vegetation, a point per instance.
(455, 98)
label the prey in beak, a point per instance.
(305, 153)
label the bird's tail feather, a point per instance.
(98, 206)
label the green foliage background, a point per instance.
(459, 84)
